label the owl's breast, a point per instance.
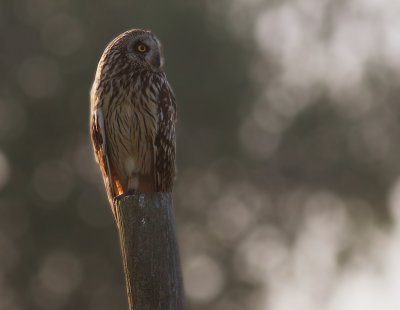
(132, 130)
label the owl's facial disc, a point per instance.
(147, 50)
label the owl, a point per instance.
(133, 116)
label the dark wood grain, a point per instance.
(146, 225)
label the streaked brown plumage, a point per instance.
(133, 116)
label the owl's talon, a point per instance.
(130, 192)
(118, 198)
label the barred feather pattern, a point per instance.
(136, 148)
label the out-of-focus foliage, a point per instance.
(288, 194)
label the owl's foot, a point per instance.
(118, 198)
(130, 192)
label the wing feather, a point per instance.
(99, 139)
(165, 145)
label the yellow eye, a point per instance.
(141, 48)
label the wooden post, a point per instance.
(146, 226)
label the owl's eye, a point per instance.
(141, 48)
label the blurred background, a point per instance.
(288, 194)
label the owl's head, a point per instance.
(137, 49)
(144, 47)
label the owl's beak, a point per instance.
(157, 62)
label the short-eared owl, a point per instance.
(133, 116)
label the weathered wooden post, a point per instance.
(146, 226)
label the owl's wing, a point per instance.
(99, 140)
(165, 145)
